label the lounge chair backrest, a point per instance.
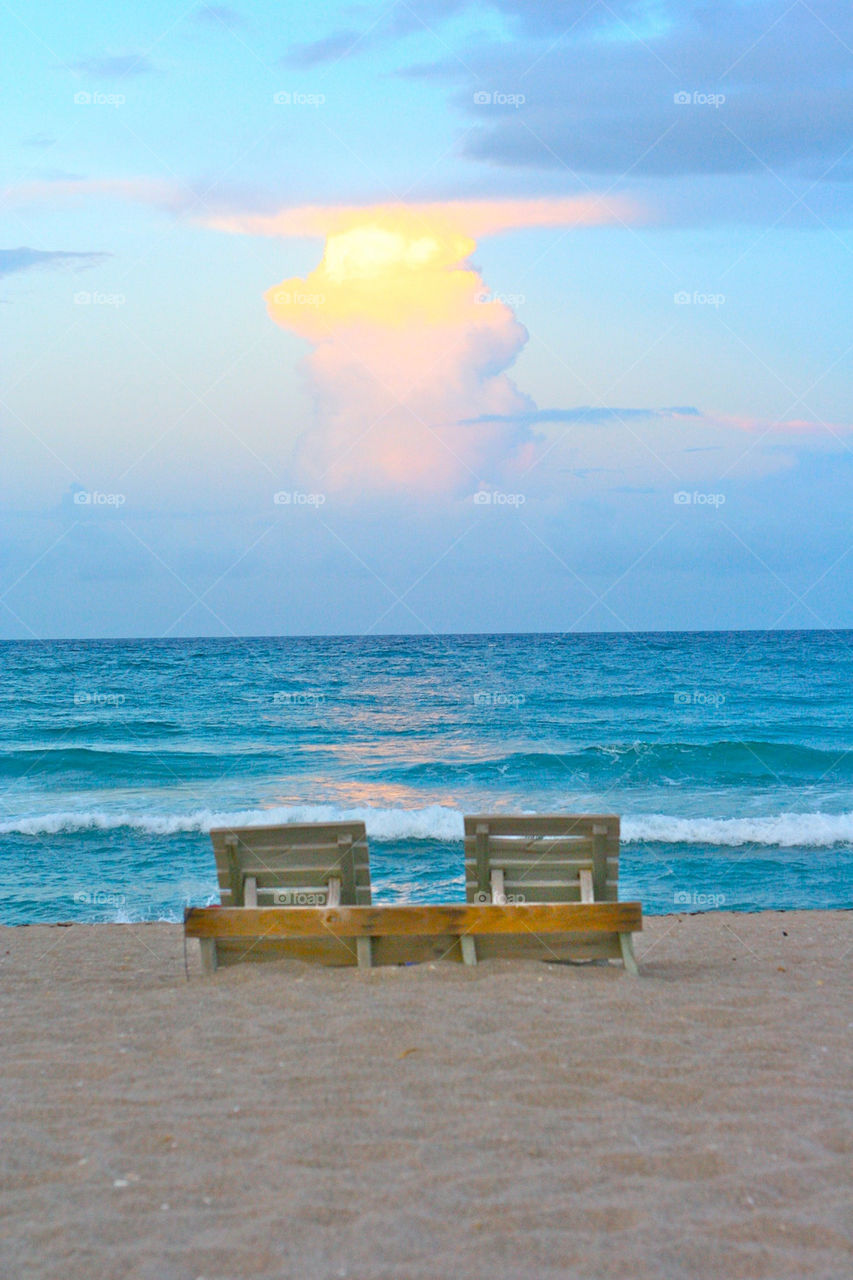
(311, 865)
(554, 858)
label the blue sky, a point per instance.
(151, 409)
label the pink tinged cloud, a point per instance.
(786, 426)
(208, 205)
(408, 349)
(471, 217)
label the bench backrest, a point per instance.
(542, 857)
(292, 865)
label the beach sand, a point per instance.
(515, 1120)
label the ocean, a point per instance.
(728, 755)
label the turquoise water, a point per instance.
(728, 755)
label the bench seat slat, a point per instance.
(455, 919)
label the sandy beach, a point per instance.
(516, 1120)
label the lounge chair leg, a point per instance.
(364, 951)
(626, 945)
(207, 946)
(469, 949)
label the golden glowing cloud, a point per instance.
(409, 349)
(410, 352)
(394, 273)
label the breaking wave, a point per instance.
(438, 822)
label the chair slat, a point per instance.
(558, 824)
(556, 846)
(297, 833)
(297, 876)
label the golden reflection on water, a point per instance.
(412, 751)
(354, 795)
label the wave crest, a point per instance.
(438, 822)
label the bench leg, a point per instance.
(207, 947)
(469, 949)
(626, 945)
(364, 951)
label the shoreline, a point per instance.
(516, 1118)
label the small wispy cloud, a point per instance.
(394, 22)
(589, 414)
(200, 199)
(316, 52)
(221, 15)
(790, 426)
(25, 259)
(114, 66)
(51, 192)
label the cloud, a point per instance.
(117, 66)
(24, 259)
(721, 421)
(330, 49)
(636, 91)
(409, 365)
(595, 414)
(218, 15)
(472, 217)
(789, 426)
(229, 208)
(391, 22)
(172, 197)
(764, 85)
(562, 17)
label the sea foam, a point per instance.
(439, 822)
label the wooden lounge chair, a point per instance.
(312, 865)
(564, 858)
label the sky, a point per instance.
(425, 317)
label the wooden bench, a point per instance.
(536, 887)
(444, 925)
